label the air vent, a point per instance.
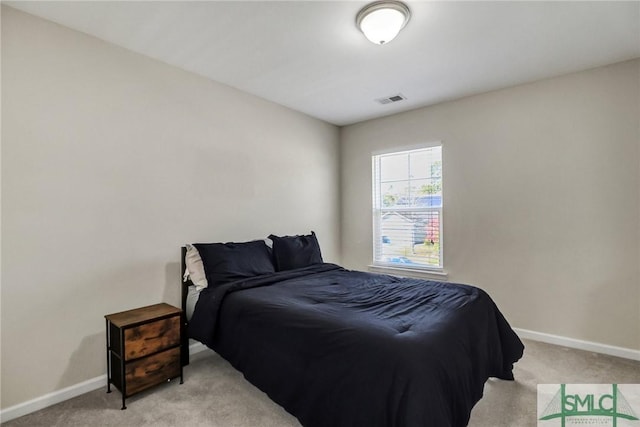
(391, 99)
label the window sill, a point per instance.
(440, 275)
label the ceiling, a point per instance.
(309, 56)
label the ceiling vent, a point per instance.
(391, 99)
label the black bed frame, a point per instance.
(185, 323)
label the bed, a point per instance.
(337, 347)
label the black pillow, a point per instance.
(290, 252)
(226, 262)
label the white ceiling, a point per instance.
(309, 56)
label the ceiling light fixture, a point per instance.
(381, 21)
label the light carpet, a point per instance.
(215, 394)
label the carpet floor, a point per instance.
(214, 394)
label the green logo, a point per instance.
(565, 405)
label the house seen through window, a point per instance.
(407, 208)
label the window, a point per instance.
(407, 209)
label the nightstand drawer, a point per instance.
(152, 370)
(152, 337)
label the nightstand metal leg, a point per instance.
(108, 360)
(122, 372)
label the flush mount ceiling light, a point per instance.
(380, 22)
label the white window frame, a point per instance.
(378, 211)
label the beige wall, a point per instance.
(111, 161)
(541, 189)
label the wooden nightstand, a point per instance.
(143, 348)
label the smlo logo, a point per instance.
(587, 404)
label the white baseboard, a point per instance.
(70, 392)
(595, 347)
(49, 399)
(197, 351)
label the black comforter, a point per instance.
(346, 348)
